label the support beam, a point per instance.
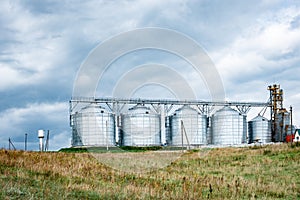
(243, 109)
(162, 125)
(168, 102)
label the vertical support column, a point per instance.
(70, 112)
(41, 144)
(116, 109)
(162, 125)
(208, 130)
(117, 139)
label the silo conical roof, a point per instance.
(226, 110)
(259, 118)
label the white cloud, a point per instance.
(10, 77)
(60, 140)
(49, 39)
(263, 54)
(34, 51)
(264, 50)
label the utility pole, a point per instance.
(291, 111)
(47, 141)
(25, 147)
(106, 130)
(182, 135)
(186, 137)
(11, 144)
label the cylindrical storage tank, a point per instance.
(194, 127)
(229, 127)
(282, 126)
(93, 126)
(259, 129)
(41, 133)
(141, 127)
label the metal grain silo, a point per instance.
(194, 123)
(141, 127)
(259, 129)
(282, 125)
(228, 127)
(93, 126)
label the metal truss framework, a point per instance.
(116, 105)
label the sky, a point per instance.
(252, 44)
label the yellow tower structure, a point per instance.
(280, 118)
(276, 104)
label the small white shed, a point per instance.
(297, 136)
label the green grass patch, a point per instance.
(141, 149)
(91, 150)
(109, 149)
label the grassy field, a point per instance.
(260, 172)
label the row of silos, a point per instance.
(95, 126)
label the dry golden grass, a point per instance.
(269, 172)
(142, 162)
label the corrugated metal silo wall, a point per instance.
(228, 127)
(259, 130)
(140, 129)
(195, 126)
(282, 126)
(93, 127)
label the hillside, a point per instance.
(264, 172)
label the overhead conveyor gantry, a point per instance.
(117, 104)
